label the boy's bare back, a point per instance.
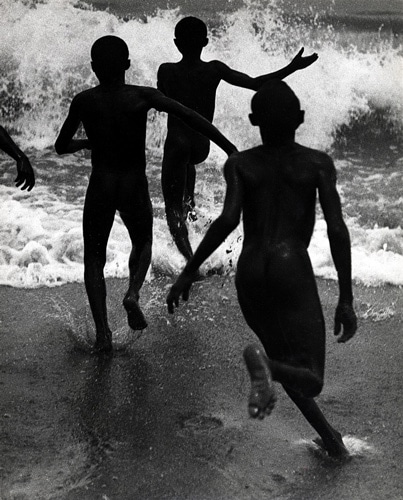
(115, 119)
(280, 186)
(194, 85)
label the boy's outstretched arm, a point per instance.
(25, 173)
(216, 234)
(160, 102)
(243, 80)
(65, 143)
(340, 247)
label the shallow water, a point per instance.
(166, 416)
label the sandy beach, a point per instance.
(166, 416)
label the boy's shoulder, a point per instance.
(316, 157)
(170, 67)
(305, 155)
(139, 90)
(86, 95)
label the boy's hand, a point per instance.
(345, 316)
(181, 287)
(25, 174)
(300, 62)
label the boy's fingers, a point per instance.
(300, 52)
(185, 294)
(347, 334)
(170, 303)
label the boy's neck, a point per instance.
(191, 57)
(113, 82)
(270, 139)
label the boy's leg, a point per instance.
(97, 223)
(189, 200)
(262, 397)
(140, 231)
(331, 439)
(173, 180)
(288, 320)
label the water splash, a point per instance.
(355, 446)
(44, 61)
(352, 95)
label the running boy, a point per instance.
(194, 83)
(275, 187)
(114, 116)
(25, 173)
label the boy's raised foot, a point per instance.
(262, 395)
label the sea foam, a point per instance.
(353, 94)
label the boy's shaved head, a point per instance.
(275, 105)
(191, 28)
(110, 53)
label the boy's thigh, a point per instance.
(99, 211)
(139, 222)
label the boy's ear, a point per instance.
(301, 117)
(127, 66)
(253, 120)
(206, 41)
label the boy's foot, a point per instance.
(135, 316)
(334, 447)
(262, 395)
(103, 343)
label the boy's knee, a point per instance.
(314, 389)
(94, 259)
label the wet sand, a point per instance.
(166, 416)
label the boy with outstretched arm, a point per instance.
(194, 83)
(275, 187)
(114, 116)
(25, 173)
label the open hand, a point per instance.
(25, 174)
(300, 62)
(345, 316)
(181, 287)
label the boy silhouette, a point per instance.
(25, 173)
(275, 186)
(194, 83)
(114, 116)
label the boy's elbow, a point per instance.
(338, 231)
(60, 148)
